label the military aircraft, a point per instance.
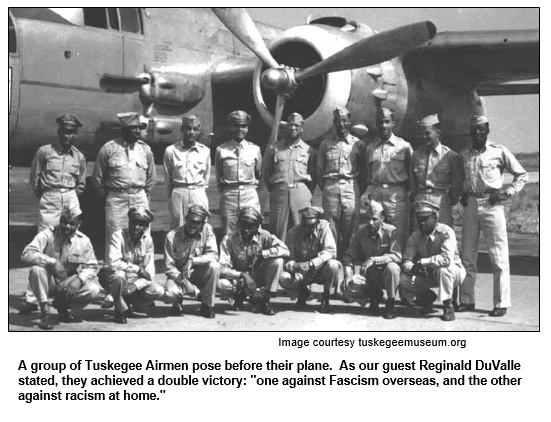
(165, 62)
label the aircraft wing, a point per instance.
(486, 60)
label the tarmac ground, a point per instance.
(523, 315)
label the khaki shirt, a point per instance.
(76, 254)
(388, 161)
(124, 166)
(320, 247)
(438, 169)
(237, 256)
(439, 249)
(179, 248)
(53, 169)
(186, 167)
(125, 255)
(483, 170)
(340, 159)
(238, 164)
(382, 248)
(289, 164)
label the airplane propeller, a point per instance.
(284, 80)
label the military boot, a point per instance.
(449, 314)
(390, 313)
(207, 311)
(45, 322)
(376, 295)
(325, 307)
(303, 293)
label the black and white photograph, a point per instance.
(273, 169)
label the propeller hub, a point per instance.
(279, 80)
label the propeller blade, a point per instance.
(240, 24)
(280, 105)
(373, 50)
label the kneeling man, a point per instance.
(376, 249)
(431, 259)
(64, 267)
(131, 265)
(312, 253)
(191, 258)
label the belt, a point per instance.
(288, 185)
(60, 190)
(240, 187)
(188, 186)
(478, 194)
(340, 181)
(431, 190)
(129, 191)
(388, 185)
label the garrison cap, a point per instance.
(357, 284)
(424, 208)
(478, 120)
(341, 112)
(239, 116)
(69, 121)
(295, 118)
(429, 121)
(198, 210)
(373, 207)
(250, 214)
(190, 119)
(311, 213)
(71, 212)
(131, 119)
(140, 213)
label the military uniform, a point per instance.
(388, 164)
(289, 176)
(179, 248)
(319, 251)
(77, 256)
(187, 175)
(124, 174)
(386, 254)
(339, 163)
(238, 167)
(483, 173)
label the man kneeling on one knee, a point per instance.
(64, 266)
(431, 259)
(252, 262)
(191, 259)
(131, 266)
(312, 253)
(376, 249)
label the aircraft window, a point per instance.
(130, 19)
(95, 16)
(12, 40)
(113, 18)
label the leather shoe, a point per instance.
(207, 311)
(45, 323)
(65, 315)
(390, 313)
(301, 303)
(498, 312)
(120, 318)
(176, 309)
(266, 309)
(325, 308)
(465, 307)
(28, 308)
(449, 314)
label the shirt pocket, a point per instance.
(442, 172)
(302, 164)
(397, 165)
(54, 166)
(333, 158)
(490, 171)
(74, 258)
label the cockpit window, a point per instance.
(12, 40)
(113, 18)
(130, 19)
(95, 16)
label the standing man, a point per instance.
(435, 174)
(187, 172)
(483, 195)
(251, 257)
(339, 174)
(388, 162)
(312, 258)
(376, 249)
(64, 266)
(124, 174)
(289, 175)
(238, 162)
(191, 259)
(431, 259)
(131, 265)
(57, 178)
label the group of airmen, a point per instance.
(384, 182)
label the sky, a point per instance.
(514, 119)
